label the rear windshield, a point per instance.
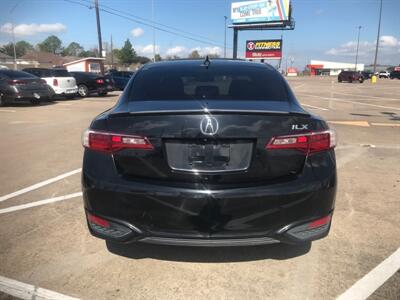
(16, 74)
(218, 83)
(60, 73)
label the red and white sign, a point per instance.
(264, 49)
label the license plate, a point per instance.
(36, 95)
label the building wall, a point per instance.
(80, 66)
(336, 67)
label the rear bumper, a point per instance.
(160, 214)
(65, 91)
(26, 95)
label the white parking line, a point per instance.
(27, 291)
(39, 185)
(364, 288)
(7, 110)
(316, 107)
(40, 202)
(364, 96)
(348, 101)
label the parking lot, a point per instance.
(45, 242)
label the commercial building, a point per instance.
(320, 67)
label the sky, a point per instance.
(324, 29)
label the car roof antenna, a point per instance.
(206, 62)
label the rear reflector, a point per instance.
(98, 221)
(308, 142)
(319, 222)
(113, 142)
(55, 82)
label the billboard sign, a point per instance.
(260, 11)
(264, 49)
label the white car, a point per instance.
(384, 74)
(62, 83)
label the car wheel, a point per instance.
(2, 100)
(35, 101)
(361, 80)
(83, 90)
(340, 79)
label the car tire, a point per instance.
(83, 90)
(35, 101)
(2, 100)
(340, 79)
(361, 80)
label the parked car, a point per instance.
(366, 74)
(119, 79)
(350, 76)
(209, 153)
(395, 74)
(62, 83)
(384, 74)
(90, 83)
(17, 86)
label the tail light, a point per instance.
(55, 82)
(311, 142)
(113, 142)
(16, 81)
(100, 81)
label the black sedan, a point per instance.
(18, 86)
(90, 83)
(209, 153)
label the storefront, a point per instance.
(329, 68)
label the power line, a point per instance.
(133, 19)
(154, 22)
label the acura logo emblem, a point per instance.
(209, 126)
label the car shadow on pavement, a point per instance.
(28, 104)
(392, 116)
(208, 254)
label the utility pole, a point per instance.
(96, 4)
(358, 43)
(13, 32)
(225, 17)
(112, 54)
(377, 38)
(154, 31)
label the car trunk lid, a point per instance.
(185, 152)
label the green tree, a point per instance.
(51, 44)
(194, 54)
(127, 54)
(21, 48)
(73, 49)
(158, 57)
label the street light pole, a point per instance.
(358, 43)
(377, 38)
(225, 17)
